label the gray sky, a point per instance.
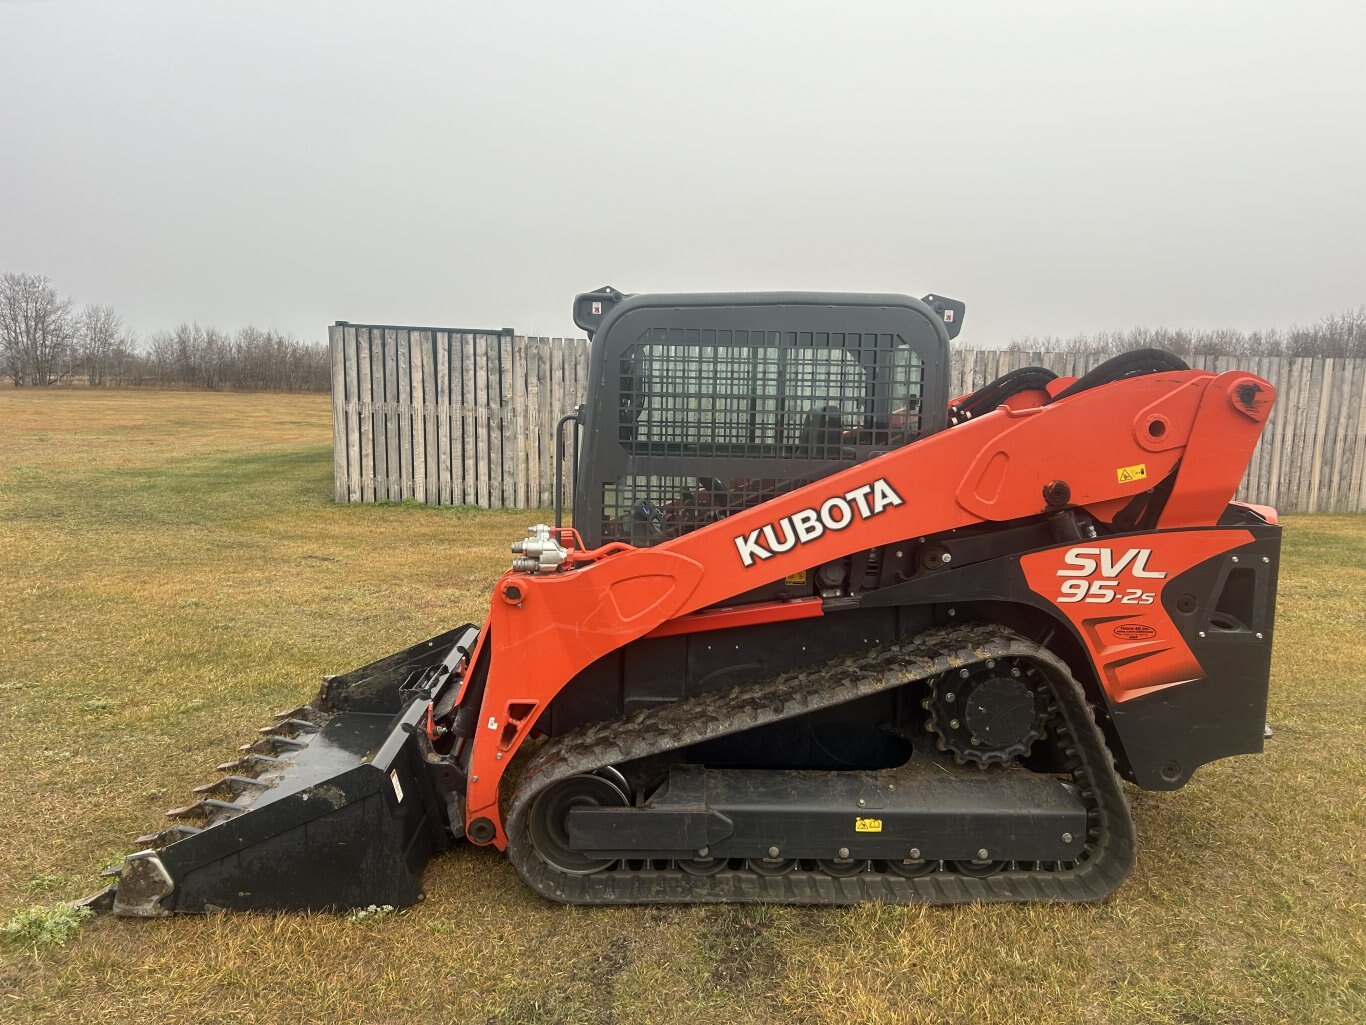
(1060, 167)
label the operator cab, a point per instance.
(700, 405)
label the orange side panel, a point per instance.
(1111, 591)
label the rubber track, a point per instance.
(1096, 874)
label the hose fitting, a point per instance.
(540, 552)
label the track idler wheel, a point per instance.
(844, 868)
(979, 869)
(548, 820)
(702, 866)
(913, 868)
(772, 866)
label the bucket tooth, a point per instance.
(253, 761)
(234, 786)
(289, 728)
(169, 835)
(305, 713)
(274, 745)
(104, 899)
(205, 808)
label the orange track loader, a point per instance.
(821, 632)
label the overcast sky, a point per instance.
(1061, 167)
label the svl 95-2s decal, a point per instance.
(1096, 572)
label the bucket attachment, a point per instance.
(332, 808)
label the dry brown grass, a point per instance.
(174, 570)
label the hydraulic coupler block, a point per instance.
(538, 553)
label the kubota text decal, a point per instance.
(807, 525)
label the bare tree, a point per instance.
(37, 330)
(125, 361)
(44, 341)
(1338, 334)
(101, 332)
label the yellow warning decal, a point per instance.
(1129, 474)
(867, 825)
(795, 578)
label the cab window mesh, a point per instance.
(767, 394)
(829, 397)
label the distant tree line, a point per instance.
(1339, 334)
(46, 339)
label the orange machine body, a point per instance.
(1098, 450)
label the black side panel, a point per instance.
(1225, 610)
(660, 671)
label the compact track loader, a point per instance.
(821, 632)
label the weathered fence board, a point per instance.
(407, 474)
(543, 374)
(468, 482)
(519, 393)
(1355, 496)
(426, 422)
(380, 475)
(459, 417)
(339, 493)
(442, 370)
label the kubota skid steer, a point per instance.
(821, 633)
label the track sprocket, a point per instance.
(990, 714)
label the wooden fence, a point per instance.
(450, 417)
(453, 417)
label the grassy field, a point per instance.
(174, 571)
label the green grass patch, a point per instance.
(34, 929)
